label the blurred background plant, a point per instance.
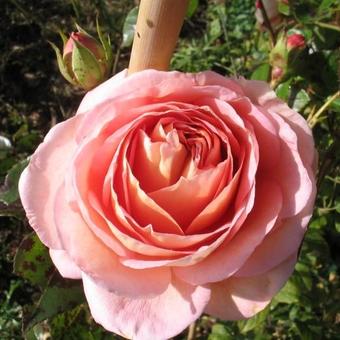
(223, 36)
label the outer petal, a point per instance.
(239, 298)
(101, 93)
(260, 93)
(298, 186)
(282, 241)
(147, 84)
(67, 268)
(42, 178)
(101, 263)
(161, 317)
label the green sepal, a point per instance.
(106, 43)
(279, 54)
(63, 37)
(62, 67)
(85, 67)
(81, 30)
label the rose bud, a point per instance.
(295, 41)
(284, 55)
(85, 61)
(171, 195)
(277, 73)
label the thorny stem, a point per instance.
(267, 22)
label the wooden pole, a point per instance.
(158, 25)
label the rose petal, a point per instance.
(98, 261)
(101, 93)
(280, 242)
(230, 256)
(266, 132)
(260, 93)
(43, 176)
(291, 173)
(145, 210)
(239, 298)
(299, 125)
(140, 87)
(158, 164)
(66, 267)
(161, 317)
(177, 199)
(216, 209)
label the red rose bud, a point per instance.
(295, 41)
(85, 61)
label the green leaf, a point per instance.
(289, 293)
(9, 191)
(256, 321)
(32, 261)
(262, 72)
(5, 143)
(62, 67)
(30, 335)
(335, 105)
(337, 226)
(295, 97)
(59, 296)
(326, 4)
(219, 332)
(215, 29)
(283, 8)
(283, 90)
(301, 100)
(77, 324)
(5, 146)
(192, 7)
(129, 27)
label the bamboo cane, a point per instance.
(158, 25)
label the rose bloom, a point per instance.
(171, 195)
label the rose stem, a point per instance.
(158, 25)
(267, 22)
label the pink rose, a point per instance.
(174, 194)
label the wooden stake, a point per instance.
(158, 25)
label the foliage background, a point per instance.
(219, 35)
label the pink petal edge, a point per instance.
(239, 298)
(157, 318)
